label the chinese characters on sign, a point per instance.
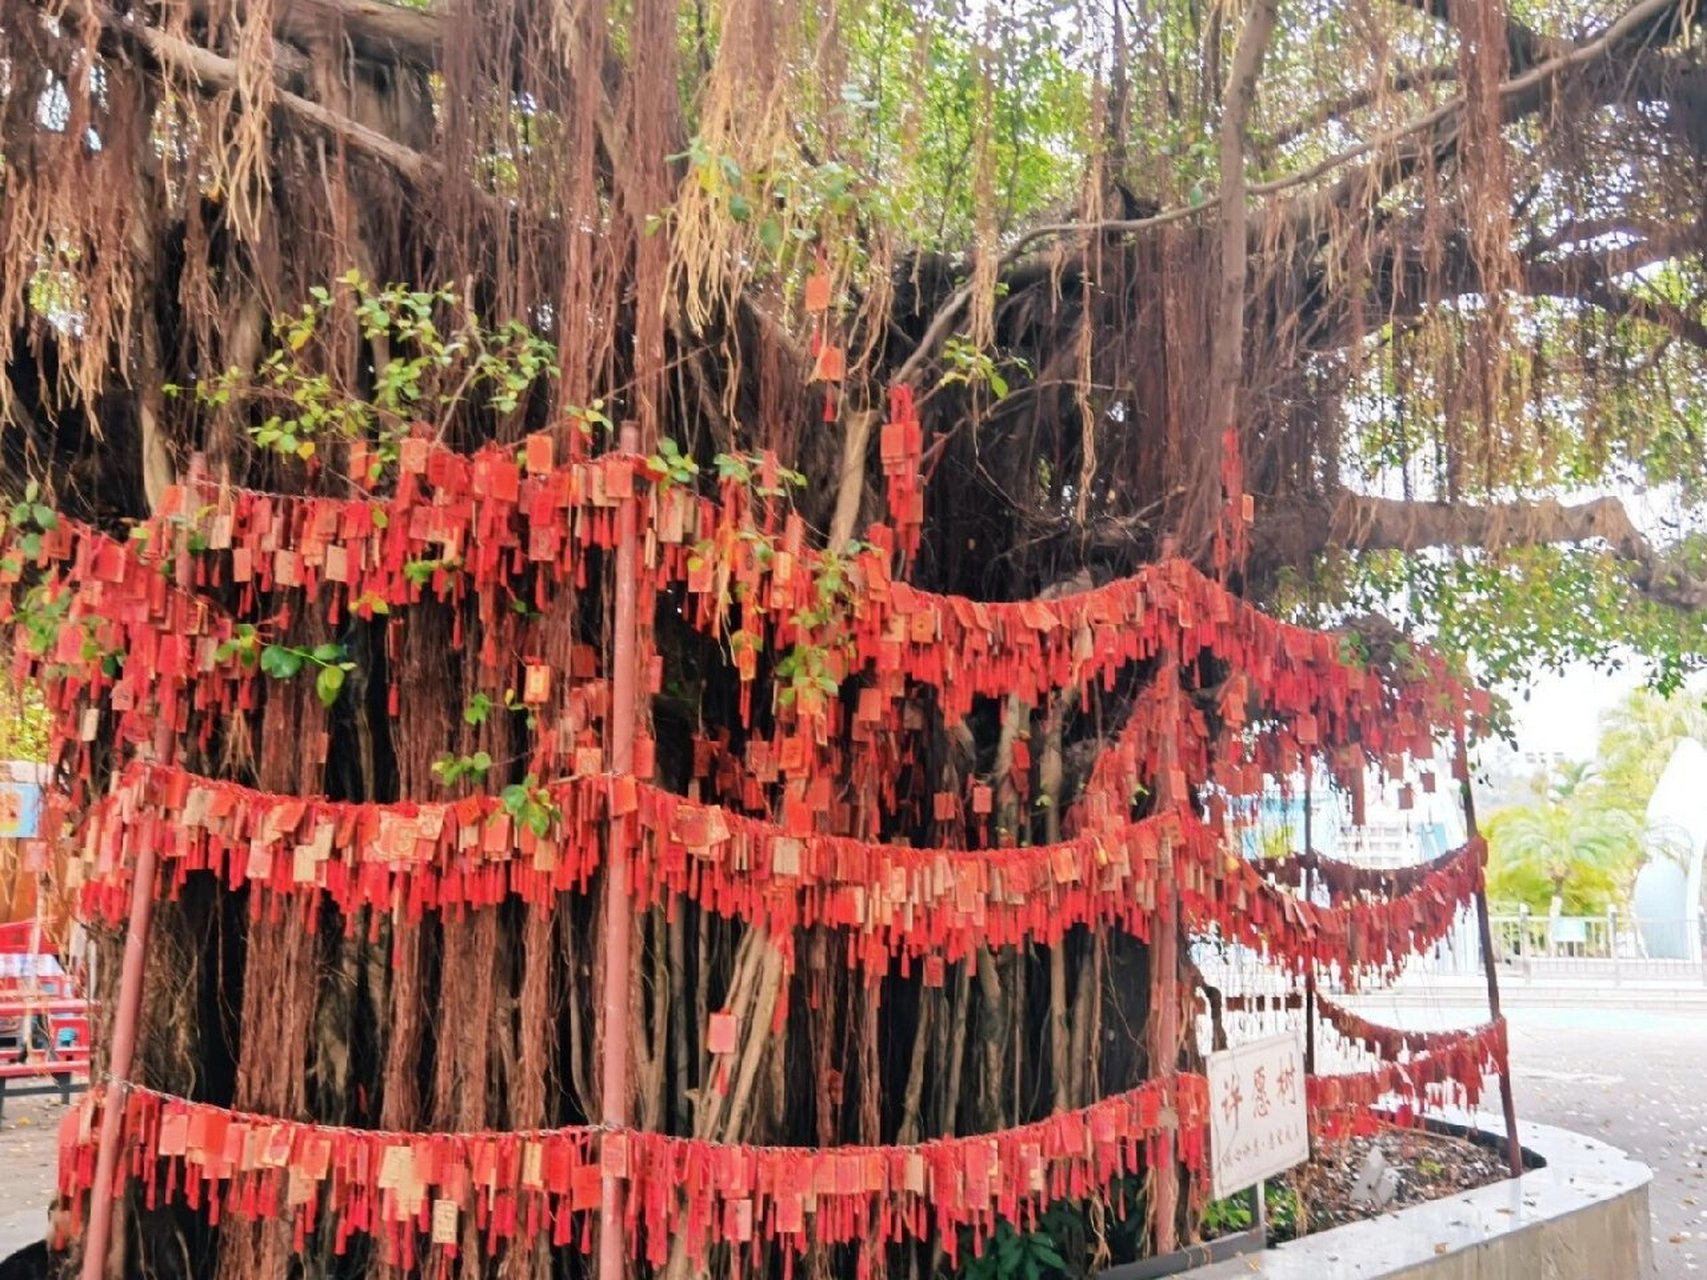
(1257, 1124)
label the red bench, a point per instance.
(44, 1026)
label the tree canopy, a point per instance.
(1461, 319)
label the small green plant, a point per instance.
(32, 518)
(749, 469)
(530, 805)
(420, 572)
(1226, 1217)
(805, 677)
(330, 661)
(514, 703)
(43, 613)
(1012, 1255)
(968, 364)
(450, 770)
(440, 357)
(590, 419)
(671, 465)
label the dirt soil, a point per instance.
(1429, 1166)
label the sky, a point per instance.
(1562, 713)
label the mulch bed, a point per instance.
(1324, 1193)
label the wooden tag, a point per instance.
(538, 457)
(723, 1035)
(536, 684)
(444, 1221)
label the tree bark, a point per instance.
(1365, 523)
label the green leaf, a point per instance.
(328, 652)
(328, 684)
(538, 820)
(1044, 1251)
(280, 662)
(481, 760)
(514, 799)
(45, 517)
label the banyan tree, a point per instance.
(671, 606)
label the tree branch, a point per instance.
(1522, 95)
(211, 70)
(1364, 523)
(1525, 46)
(1227, 342)
(1345, 104)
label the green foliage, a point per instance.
(420, 572)
(671, 465)
(748, 469)
(1578, 841)
(1637, 739)
(964, 362)
(1227, 1217)
(330, 662)
(1516, 613)
(25, 724)
(31, 517)
(42, 613)
(914, 104)
(451, 769)
(530, 805)
(440, 358)
(1013, 1255)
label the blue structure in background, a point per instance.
(20, 807)
(1330, 829)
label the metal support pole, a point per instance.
(618, 911)
(1612, 943)
(1164, 971)
(1259, 1211)
(99, 1235)
(1310, 960)
(1523, 938)
(1514, 1151)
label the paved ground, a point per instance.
(1634, 1079)
(1631, 1078)
(29, 1152)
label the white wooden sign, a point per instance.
(1257, 1122)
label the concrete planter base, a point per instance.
(1581, 1215)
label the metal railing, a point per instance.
(1611, 947)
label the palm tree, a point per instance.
(1637, 738)
(1578, 845)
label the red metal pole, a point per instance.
(1309, 895)
(618, 912)
(1164, 978)
(98, 1236)
(1514, 1149)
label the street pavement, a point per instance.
(29, 1156)
(1633, 1078)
